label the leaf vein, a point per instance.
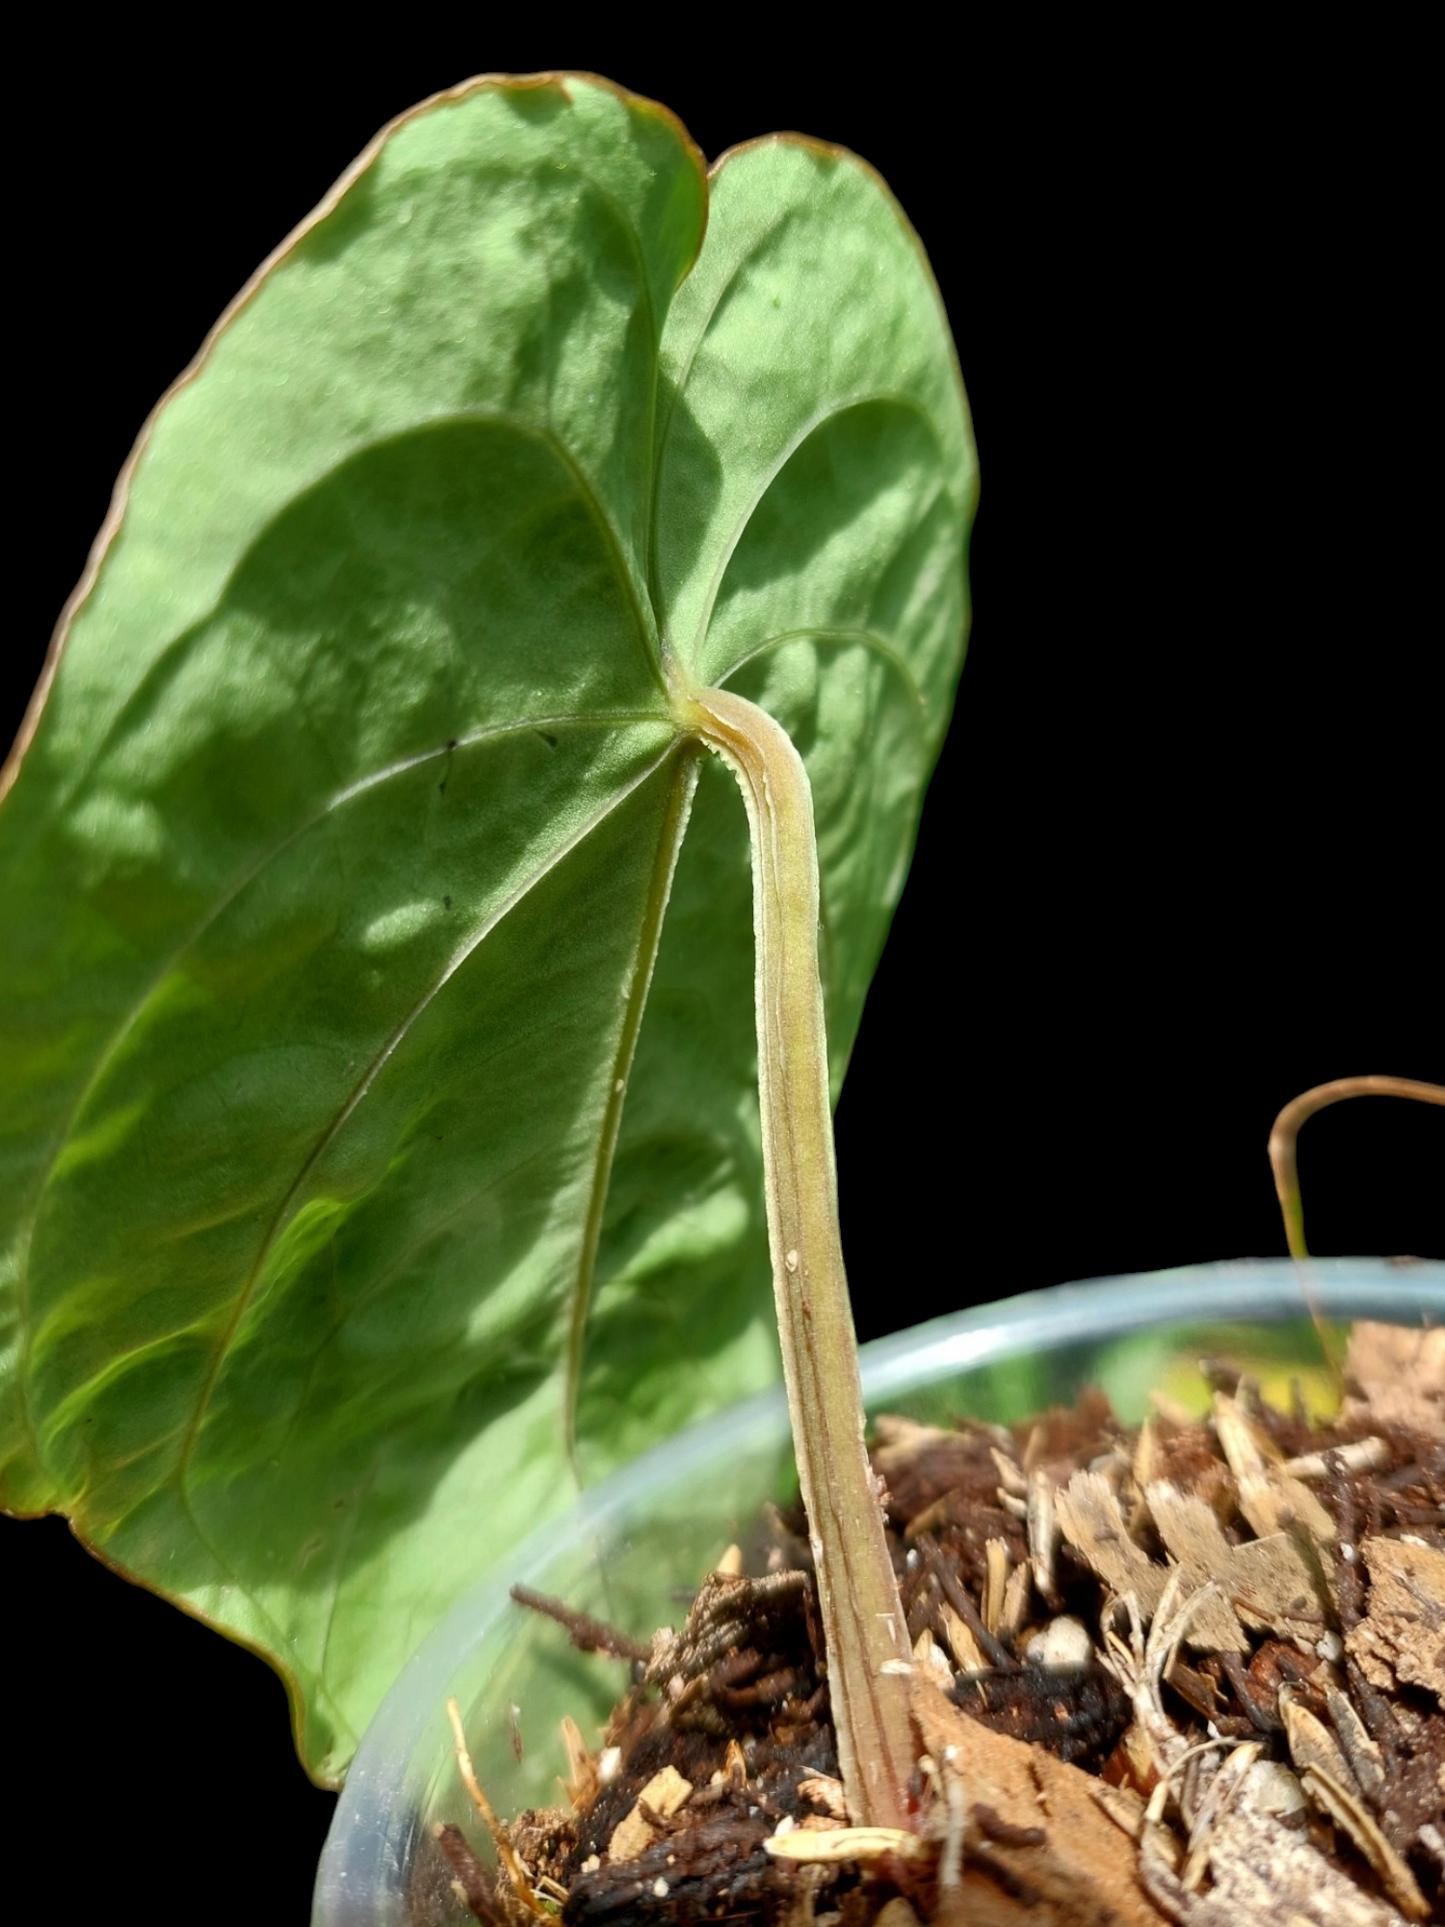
(478, 738)
(373, 1071)
(829, 412)
(869, 638)
(649, 938)
(546, 435)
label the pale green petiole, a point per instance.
(858, 1597)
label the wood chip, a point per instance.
(1079, 1874)
(1360, 1455)
(968, 1655)
(1273, 1584)
(821, 1790)
(1311, 1743)
(1146, 1452)
(1015, 1603)
(996, 1571)
(897, 1438)
(1043, 1535)
(1352, 1817)
(1093, 1523)
(666, 1793)
(1193, 1536)
(1269, 1498)
(1010, 1477)
(927, 1655)
(1402, 1636)
(1365, 1758)
(855, 1845)
(1395, 1378)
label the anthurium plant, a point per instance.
(418, 1063)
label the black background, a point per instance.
(1180, 859)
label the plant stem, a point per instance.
(863, 1620)
(1286, 1131)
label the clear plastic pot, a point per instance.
(631, 1544)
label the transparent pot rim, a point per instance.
(361, 1842)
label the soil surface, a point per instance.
(1189, 1672)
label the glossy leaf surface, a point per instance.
(377, 1106)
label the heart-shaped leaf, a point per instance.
(377, 1113)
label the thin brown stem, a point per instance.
(1283, 1138)
(863, 1619)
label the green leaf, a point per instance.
(379, 1149)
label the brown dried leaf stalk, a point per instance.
(1284, 1136)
